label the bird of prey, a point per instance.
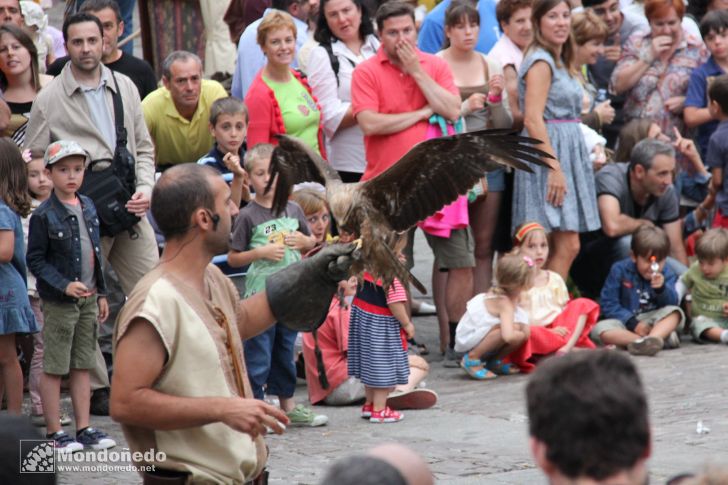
(428, 177)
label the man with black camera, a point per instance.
(82, 104)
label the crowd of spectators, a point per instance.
(629, 99)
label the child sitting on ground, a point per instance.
(707, 280)
(639, 299)
(377, 347)
(557, 324)
(270, 242)
(494, 325)
(228, 126)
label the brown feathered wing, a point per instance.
(294, 162)
(427, 178)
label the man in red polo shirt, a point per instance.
(393, 95)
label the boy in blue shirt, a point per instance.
(717, 157)
(228, 126)
(639, 300)
(714, 29)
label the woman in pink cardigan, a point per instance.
(280, 100)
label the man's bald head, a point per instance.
(389, 464)
(178, 193)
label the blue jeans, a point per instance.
(269, 359)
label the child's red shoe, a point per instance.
(386, 415)
(366, 411)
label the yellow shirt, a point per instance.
(177, 139)
(545, 303)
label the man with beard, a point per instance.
(180, 384)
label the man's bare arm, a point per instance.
(614, 223)
(677, 248)
(254, 316)
(139, 361)
(373, 123)
(442, 101)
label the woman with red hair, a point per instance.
(655, 67)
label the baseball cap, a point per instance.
(58, 150)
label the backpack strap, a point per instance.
(334, 60)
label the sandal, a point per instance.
(500, 368)
(475, 369)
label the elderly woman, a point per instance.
(346, 38)
(20, 78)
(279, 100)
(514, 18)
(563, 198)
(655, 67)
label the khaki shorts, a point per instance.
(69, 335)
(456, 251)
(700, 324)
(650, 318)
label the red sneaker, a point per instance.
(366, 411)
(386, 415)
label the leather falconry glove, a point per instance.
(299, 295)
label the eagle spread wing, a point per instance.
(435, 172)
(294, 162)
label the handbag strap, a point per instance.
(118, 115)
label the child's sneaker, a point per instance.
(366, 411)
(386, 415)
(303, 416)
(648, 346)
(64, 444)
(95, 439)
(673, 341)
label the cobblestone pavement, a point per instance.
(477, 433)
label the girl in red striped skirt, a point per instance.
(379, 327)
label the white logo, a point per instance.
(37, 456)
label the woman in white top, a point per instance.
(346, 37)
(485, 105)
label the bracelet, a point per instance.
(494, 99)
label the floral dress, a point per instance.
(661, 81)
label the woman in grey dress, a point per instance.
(563, 198)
